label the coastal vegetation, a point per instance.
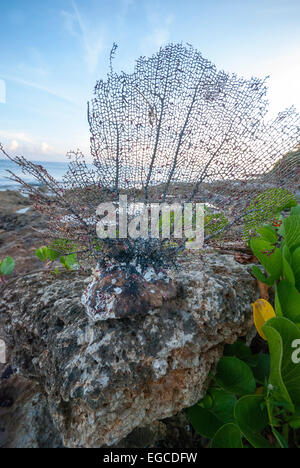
(254, 398)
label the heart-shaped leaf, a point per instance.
(228, 436)
(252, 418)
(269, 256)
(204, 421)
(289, 298)
(235, 376)
(282, 335)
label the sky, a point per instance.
(52, 52)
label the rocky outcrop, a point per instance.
(25, 421)
(19, 231)
(103, 379)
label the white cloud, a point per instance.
(284, 81)
(27, 145)
(159, 37)
(283, 69)
(16, 136)
(91, 38)
(161, 30)
(14, 145)
(39, 87)
(45, 148)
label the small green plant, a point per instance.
(214, 223)
(6, 268)
(49, 255)
(277, 248)
(46, 255)
(69, 262)
(266, 207)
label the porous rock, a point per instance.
(103, 379)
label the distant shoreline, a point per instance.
(56, 169)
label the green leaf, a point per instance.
(238, 349)
(235, 376)
(282, 442)
(228, 436)
(69, 261)
(63, 261)
(204, 421)
(268, 234)
(289, 299)
(214, 223)
(286, 252)
(281, 229)
(296, 260)
(296, 267)
(265, 207)
(294, 422)
(260, 366)
(285, 371)
(214, 410)
(7, 266)
(223, 405)
(275, 343)
(292, 231)
(45, 254)
(42, 253)
(52, 254)
(252, 419)
(295, 211)
(268, 256)
(288, 273)
(261, 277)
(206, 402)
(278, 309)
(259, 363)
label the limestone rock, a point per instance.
(103, 379)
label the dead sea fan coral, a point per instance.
(176, 129)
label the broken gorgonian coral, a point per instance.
(175, 130)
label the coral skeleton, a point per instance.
(174, 130)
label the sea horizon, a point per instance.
(56, 168)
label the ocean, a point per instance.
(56, 169)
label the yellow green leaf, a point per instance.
(262, 312)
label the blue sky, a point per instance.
(53, 51)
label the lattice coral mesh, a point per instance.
(174, 129)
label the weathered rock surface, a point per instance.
(25, 421)
(103, 379)
(122, 291)
(19, 231)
